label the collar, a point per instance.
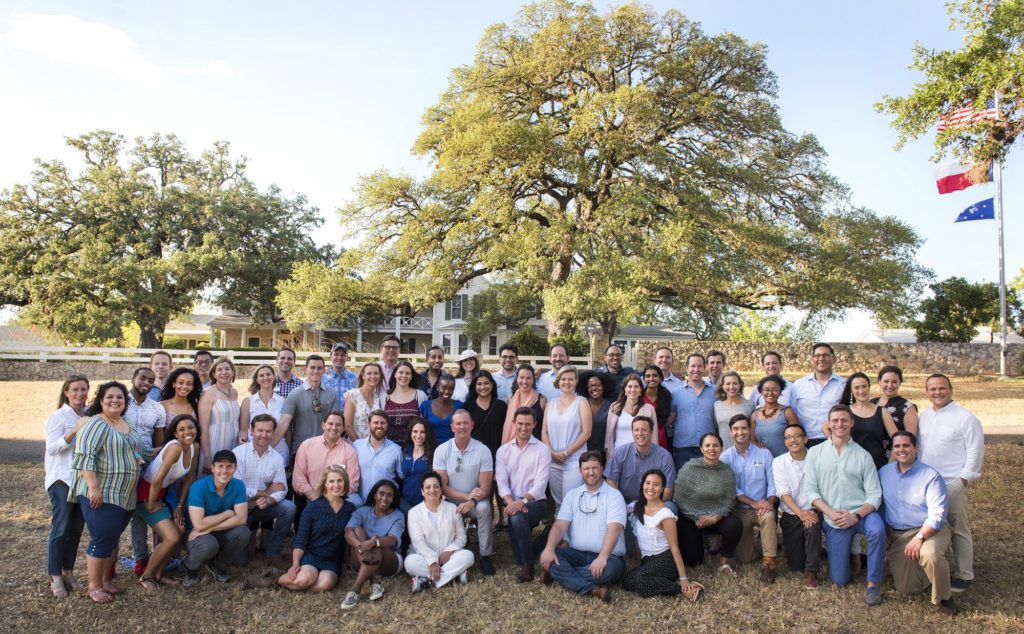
(307, 386)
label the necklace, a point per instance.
(767, 414)
(226, 393)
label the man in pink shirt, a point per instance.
(523, 465)
(316, 453)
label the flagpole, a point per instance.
(997, 177)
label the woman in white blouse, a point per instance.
(263, 400)
(438, 537)
(661, 570)
(66, 522)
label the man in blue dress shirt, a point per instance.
(813, 395)
(694, 405)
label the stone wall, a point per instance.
(912, 358)
(96, 371)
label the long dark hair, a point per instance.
(429, 443)
(172, 429)
(72, 378)
(472, 385)
(96, 406)
(641, 501)
(528, 368)
(414, 382)
(167, 391)
(620, 402)
(847, 397)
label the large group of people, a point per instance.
(636, 476)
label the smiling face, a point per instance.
(771, 364)
(334, 484)
(558, 358)
(591, 471)
(716, 365)
(524, 380)
(483, 386)
(418, 434)
(143, 381)
(508, 360)
(939, 391)
(262, 432)
(389, 352)
(652, 379)
(642, 434)
(223, 374)
(431, 490)
(795, 439)
(663, 358)
(841, 423)
(378, 427)
(711, 449)
(613, 358)
(183, 385)
(77, 393)
(383, 498)
(332, 426)
(731, 386)
(904, 451)
(861, 389)
(160, 364)
(185, 432)
(524, 425)
(822, 359)
(265, 378)
(112, 403)
(435, 359)
(770, 392)
(445, 389)
(314, 371)
(462, 426)
(469, 366)
(371, 375)
(595, 388)
(567, 382)
(633, 388)
(286, 361)
(695, 369)
(339, 357)
(403, 376)
(223, 471)
(653, 487)
(890, 384)
(740, 431)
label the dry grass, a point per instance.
(498, 603)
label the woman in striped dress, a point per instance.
(219, 413)
(104, 473)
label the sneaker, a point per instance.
(376, 591)
(219, 574)
(873, 596)
(464, 577)
(486, 566)
(946, 607)
(191, 578)
(420, 583)
(960, 585)
(351, 601)
(810, 580)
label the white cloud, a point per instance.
(96, 47)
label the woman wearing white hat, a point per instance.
(469, 363)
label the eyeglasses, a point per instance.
(458, 464)
(793, 437)
(316, 402)
(587, 498)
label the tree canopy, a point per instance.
(957, 307)
(991, 61)
(142, 233)
(615, 162)
(765, 326)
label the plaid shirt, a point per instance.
(258, 472)
(340, 382)
(284, 388)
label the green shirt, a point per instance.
(112, 456)
(844, 481)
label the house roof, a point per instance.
(907, 335)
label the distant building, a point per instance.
(907, 335)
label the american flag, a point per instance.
(967, 116)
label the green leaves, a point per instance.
(142, 233)
(957, 307)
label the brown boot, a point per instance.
(768, 570)
(525, 574)
(810, 580)
(602, 592)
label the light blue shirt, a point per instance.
(914, 498)
(505, 384)
(340, 382)
(695, 414)
(383, 464)
(546, 385)
(754, 477)
(589, 515)
(812, 400)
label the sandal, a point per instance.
(99, 595)
(694, 591)
(149, 583)
(58, 589)
(726, 569)
(71, 583)
(167, 581)
(112, 589)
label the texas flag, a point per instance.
(952, 177)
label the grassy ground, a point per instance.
(499, 604)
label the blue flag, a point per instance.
(981, 210)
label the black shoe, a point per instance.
(486, 566)
(946, 607)
(191, 578)
(219, 574)
(960, 585)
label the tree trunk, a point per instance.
(151, 330)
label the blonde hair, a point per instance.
(321, 488)
(218, 363)
(565, 369)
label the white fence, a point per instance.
(140, 356)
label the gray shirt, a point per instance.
(627, 468)
(464, 467)
(308, 409)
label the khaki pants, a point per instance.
(931, 568)
(959, 525)
(746, 550)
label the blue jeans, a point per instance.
(682, 455)
(281, 514)
(520, 527)
(838, 541)
(65, 530)
(572, 570)
(105, 527)
(140, 534)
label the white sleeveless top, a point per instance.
(649, 537)
(565, 427)
(177, 471)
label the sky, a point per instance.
(317, 93)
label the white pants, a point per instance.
(565, 477)
(482, 513)
(461, 560)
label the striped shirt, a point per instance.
(259, 472)
(112, 456)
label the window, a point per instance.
(456, 308)
(463, 343)
(446, 343)
(408, 345)
(252, 342)
(492, 346)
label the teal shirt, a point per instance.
(844, 481)
(203, 494)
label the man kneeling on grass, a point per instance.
(218, 508)
(591, 518)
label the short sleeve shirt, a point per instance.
(391, 524)
(203, 494)
(464, 467)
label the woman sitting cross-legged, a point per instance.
(374, 536)
(661, 571)
(316, 554)
(438, 536)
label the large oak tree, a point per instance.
(143, 232)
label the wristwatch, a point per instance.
(920, 536)
(377, 542)
(524, 500)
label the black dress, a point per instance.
(898, 408)
(598, 426)
(870, 434)
(488, 423)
